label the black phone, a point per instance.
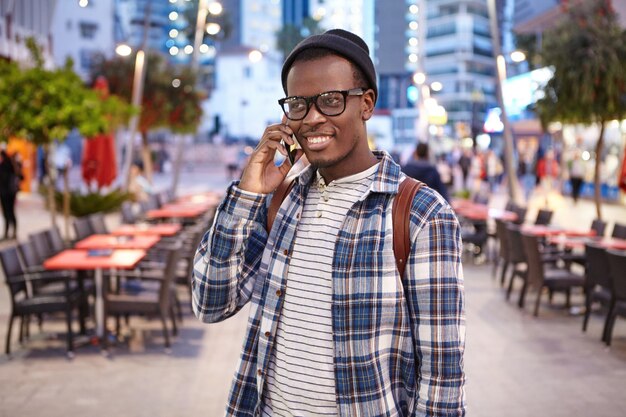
(292, 150)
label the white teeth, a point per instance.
(318, 139)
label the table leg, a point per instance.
(99, 307)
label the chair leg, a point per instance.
(522, 295)
(587, 310)
(508, 291)
(7, 348)
(505, 266)
(536, 312)
(607, 321)
(20, 337)
(568, 296)
(165, 332)
(609, 331)
(173, 319)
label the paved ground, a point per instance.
(516, 365)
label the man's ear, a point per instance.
(367, 104)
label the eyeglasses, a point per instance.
(329, 103)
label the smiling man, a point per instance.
(334, 330)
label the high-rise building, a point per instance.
(354, 15)
(294, 12)
(134, 16)
(22, 19)
(456, 53)
(83, 31)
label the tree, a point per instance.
(43, 106)
(170, 98)
(587, 52)
(290, 35)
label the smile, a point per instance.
(316, 140)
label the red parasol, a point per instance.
(99, 161)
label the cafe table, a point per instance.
(577, 242)
(160, 229)
(550, 231)
(177, 211)
(109, 241)
(96, 260)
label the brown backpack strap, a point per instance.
(401, 218)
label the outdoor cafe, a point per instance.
(140, 267)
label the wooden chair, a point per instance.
(25, 303)
(544, 217)
(597, 282)
(554, 279)
(82, 228)
(155, 301)
(617, 268)
(619, 231)
(98, 224)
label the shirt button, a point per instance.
(267, 334)
(260, 372)
(279, 293)
(286, 252)
(319, 213)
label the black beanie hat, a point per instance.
(343, 43)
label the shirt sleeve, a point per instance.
(434, 281)
(228, 256)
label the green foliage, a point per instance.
(163, 105)
(587, 52)
(43, 105)
(85, 204)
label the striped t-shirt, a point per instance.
(301, 378)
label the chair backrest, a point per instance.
(598, 226)
(29, 255)
(503, 239)
(82, 228)
(534, 270)
(128, 214)
(41, 244)
(617, 266)
(543, 217)
(481, 198)
(55, 240)
(163, 198)
(516, 251)
(619, 231)
(597, 266)
(98, 223)
(12, 268)
(169, 274)
(521, 214)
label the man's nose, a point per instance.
(314, 116)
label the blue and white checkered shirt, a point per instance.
(398, 342)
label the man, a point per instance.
(333, 328)
(421, 169)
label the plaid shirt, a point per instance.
(398, 342)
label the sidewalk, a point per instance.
(516, 365)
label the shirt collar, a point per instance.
(386, 180)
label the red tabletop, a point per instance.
(162, 229)
(207, 197)
(475, 211)
(118, 242)
(175, 211)
(546, 231)
(80, 259)
(572, 242)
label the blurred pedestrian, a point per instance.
(548, 173)
(465, 163)
(9, 186)
(139, 186)
(576, 169)
(526, 173)
(422, 170)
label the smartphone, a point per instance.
(292, 150)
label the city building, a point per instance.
(246, 92)
(82, 31)
(22, 19)
(354, 15)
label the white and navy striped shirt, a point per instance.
(301, 377)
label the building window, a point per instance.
(247, 72)
(88, 30)
(87, 59)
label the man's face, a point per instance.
(335, 144)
